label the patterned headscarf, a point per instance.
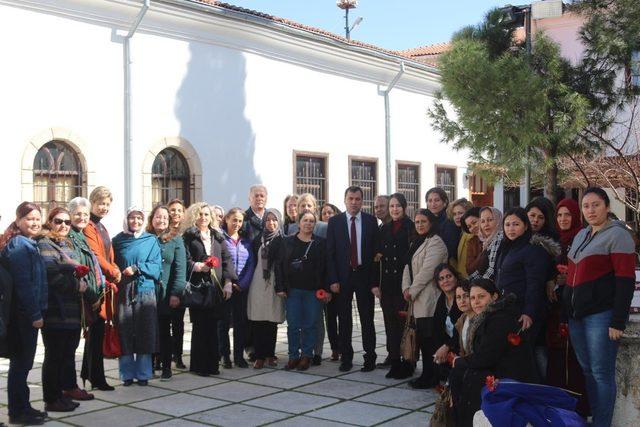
(267, 238)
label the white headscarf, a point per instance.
(125, 227)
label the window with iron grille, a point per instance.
(311, 176)
(364, 175)
(408, 183)
(446, 179)
(634, 69)
(170, 178)
(57, 176)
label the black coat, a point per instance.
(252, 226)
(522, 268)
(492, 355)
(394, 249)
(440, 322)
(196, 253)
(315, 265)
(339, 249)
(6, 288)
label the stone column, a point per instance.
(627, 410)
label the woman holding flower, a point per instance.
(61, 333)
(497, 349)
(137, 254)
(208, 261)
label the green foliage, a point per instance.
(503, 100)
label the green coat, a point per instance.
(86, 257)
(174, 271)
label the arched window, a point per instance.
(57, 175)
(170, 178)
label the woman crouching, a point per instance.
(496, 349)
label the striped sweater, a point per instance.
(601, 273)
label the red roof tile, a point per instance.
(432, 49)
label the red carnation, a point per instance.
(491, 382)
(402, 314)
(81, 270)
(439, 388)
(514, 339)
(562, 268)
(321, 294)
(212, 262)
(563, 330)
(450, 356)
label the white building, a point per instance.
(220, 98)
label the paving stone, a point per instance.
(237, 373)
(187, 381)
(405, 399)
(35, 376)
(363, 414)
(306, 422)
(413, 419)
(85, 407)
(327, 369)
(120, 415)
(179, 405)
(284, 379)
(340, 388)
(130, 394)
(238, 415)
(178, 422)
(235, 391)
(291, 401)
(374, 377)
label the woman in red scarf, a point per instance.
(563, 369)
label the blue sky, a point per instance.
(392, 24)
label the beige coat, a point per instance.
(262, 302)
(424, 290)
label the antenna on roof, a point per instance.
(347, 5)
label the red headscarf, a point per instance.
(566, 236)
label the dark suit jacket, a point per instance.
(339, 249)
(252, 225)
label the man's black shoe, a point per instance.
(27, 420)
(345, 366)
(317, 360)
(368, 366)
(386, 364)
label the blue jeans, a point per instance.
(135, 366)
(23, 339)
(596, 354)
(303, 309)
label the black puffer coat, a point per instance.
(492, 355)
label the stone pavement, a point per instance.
(321, 396)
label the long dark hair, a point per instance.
(446, 266)
(23, 209)
(433, 220)
(485, 284)
(547, 208)
(522, 215)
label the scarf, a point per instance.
(104, 234)
(566, 236)
(267, 239)
(125, 227)
(486, 240)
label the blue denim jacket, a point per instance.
(29, 276)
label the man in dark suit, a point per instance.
(253, 221)
(351, 241)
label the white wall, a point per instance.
(244, 111)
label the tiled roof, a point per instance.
(432, 49)
(303, 27)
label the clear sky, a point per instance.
(392, 24)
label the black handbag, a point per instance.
(202, 294)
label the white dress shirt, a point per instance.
(358, 218)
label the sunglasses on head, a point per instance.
(58, 221)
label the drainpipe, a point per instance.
(387, 125)
(128, 164)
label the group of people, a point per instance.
(529, 295)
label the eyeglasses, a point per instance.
(58, 221)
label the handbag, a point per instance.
(111, 348)
(443, 411)
(203, 294)
(408, 344)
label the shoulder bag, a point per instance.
(408, 344)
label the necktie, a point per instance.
(354, 244)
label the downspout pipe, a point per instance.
(128, 163)
(387, 125)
